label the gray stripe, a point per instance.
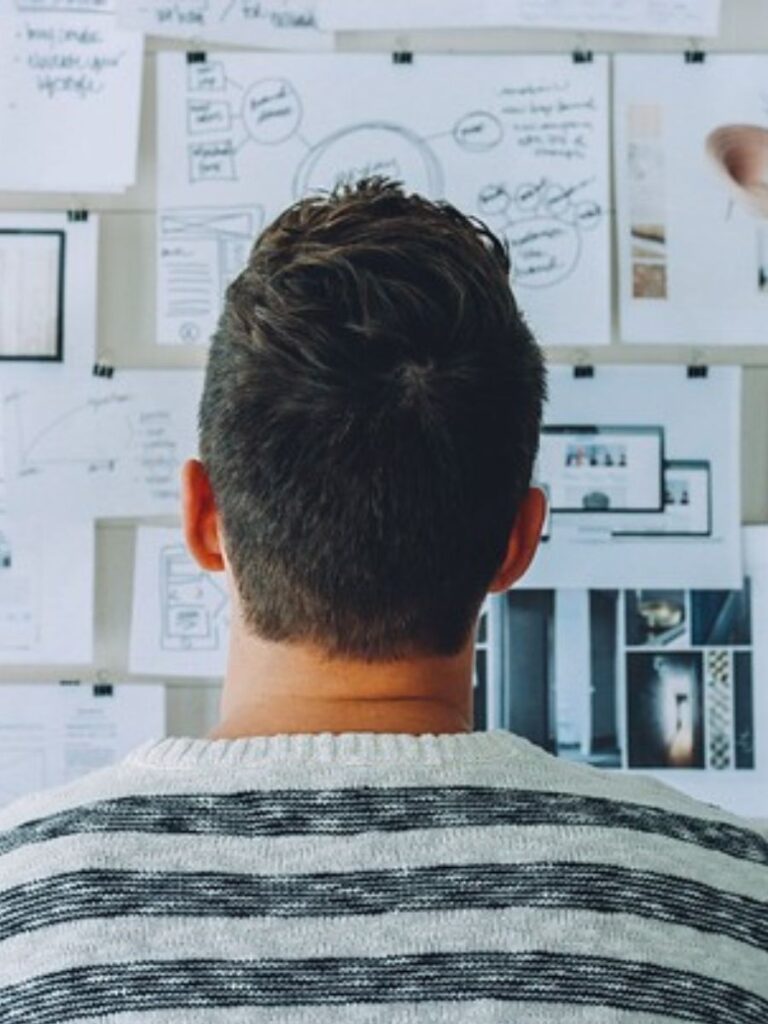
(378, 809)
(600, 888)
(457, 977)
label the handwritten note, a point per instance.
(520, 142)
(98, 448)
(70, 86)
(271, 24)
(673, 17)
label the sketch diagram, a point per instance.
(543, 225)
(195, 607)
(200, 252)
(191, 606)
(98, 449)
(521, 144)
(273, 24)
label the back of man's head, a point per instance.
(369, 423)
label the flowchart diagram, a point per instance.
(521, 144)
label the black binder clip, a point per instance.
(77, 216)
(402, 57)
(694, 56)
(583, 371)
(103, 370)
(196, 57)
(582, 56)
(697, 371)
(102, 690)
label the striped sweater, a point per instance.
(356, 878)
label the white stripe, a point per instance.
(541, 772)
(94, 942)
(277, 855)
(484, 1011)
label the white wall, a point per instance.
(126, 318)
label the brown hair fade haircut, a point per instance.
(369, 423)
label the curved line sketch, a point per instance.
(364, 150)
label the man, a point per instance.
(343, 848)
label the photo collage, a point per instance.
(658, 679)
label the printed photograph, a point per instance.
(664, 703)
(722, 617)
(656, 618)
(649, 280)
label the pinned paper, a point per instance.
(520, 142)
(268, 24)
(663, 17)
(69, 109)
(181, 614)
(52, 733)
(94, 448)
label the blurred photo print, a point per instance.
(664, 710)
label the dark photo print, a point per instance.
(656, 618)
(722, 618)
(664, 710)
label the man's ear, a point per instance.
(523, 540)
(200, 518)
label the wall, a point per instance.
(126, 319)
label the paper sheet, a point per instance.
(270, 24)
(70, 85)
(45, 299)
(180, 621)
(664, 680)
(520, 142)
(691, 164)
(53, 733)
(46, 588)
(693, 541)
(96, 448)
(667, 17)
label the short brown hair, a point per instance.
(369, 422)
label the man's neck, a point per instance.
(273, 688)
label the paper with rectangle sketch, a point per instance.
(52, 733)
(181, 614)
(664, 17)
(662, 680)
(46, 585)
(48, 274)
(691, 164)
(596, 473)
(520, 142)
(268, 24)
(69, 80)
(91, 447)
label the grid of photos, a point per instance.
(658, 679)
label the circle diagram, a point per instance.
(271, 111)
(543, 250)
(367, 150)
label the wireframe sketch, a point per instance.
(200, 252)
(522, 144)
(194, 607)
